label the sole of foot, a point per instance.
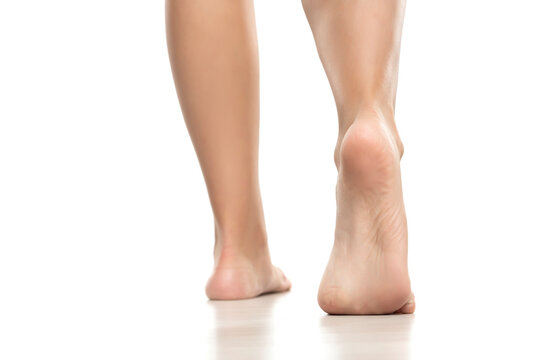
(367, 270)
(241, 277)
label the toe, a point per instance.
(284, 282)
(408, 307)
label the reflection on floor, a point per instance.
(280, 326)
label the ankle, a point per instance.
(233, 245)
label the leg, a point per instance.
(214, 59)
(358, 42)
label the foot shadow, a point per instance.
(243, 329)
(367, 337)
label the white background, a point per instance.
(106, 232)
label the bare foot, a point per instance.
(367, 271)
(242, 276)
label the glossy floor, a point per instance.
(291, 326)
(275, 326)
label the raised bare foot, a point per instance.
(367, 271)
(244, 274)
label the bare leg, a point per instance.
(214, 60)
(358, 42)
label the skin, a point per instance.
(214, 59)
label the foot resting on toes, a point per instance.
(367, 270)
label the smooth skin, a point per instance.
(214, 59)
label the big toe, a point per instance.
(282, 282)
